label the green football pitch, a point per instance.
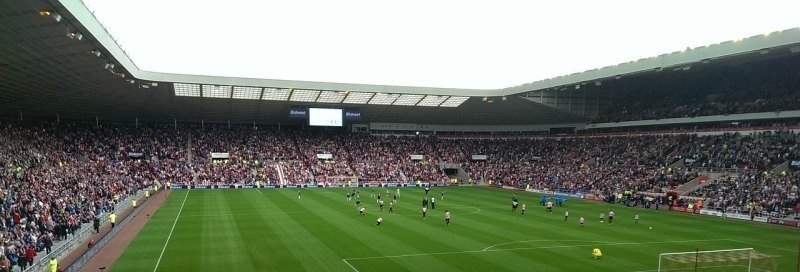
(273, 230)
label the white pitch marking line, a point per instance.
(350, 265)
(171, 230)
(755, 244)
(527, 248)
(527, 241)
(677, 269)
(259, 191)
(478, 209)
(267, 213)
(605, 244)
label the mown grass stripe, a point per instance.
(275, 231)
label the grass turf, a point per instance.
(271, 230)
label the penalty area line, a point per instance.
(528, 248)
(350, 265)
(602, 243)
(762, 245)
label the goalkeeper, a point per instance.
(596, 253)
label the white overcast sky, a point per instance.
(429, 43)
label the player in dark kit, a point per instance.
(391, 207)
(514, 204)
(424, 207)
(380, 203)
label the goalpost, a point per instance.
(742, 259)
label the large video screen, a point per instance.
(325, 117)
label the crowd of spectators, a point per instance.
(758, 152)
(57, 176)
(763, 193)
(610, 165)
(597, 165)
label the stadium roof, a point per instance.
(57, 58)
(444, 43)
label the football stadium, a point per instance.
(399, 136)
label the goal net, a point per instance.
(744, 259)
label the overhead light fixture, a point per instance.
(131, 81)
(45, 13)
(56, 17)
(75, 35)
(577, 86)
(598, 83)
(95, 52)
(109, 65)
(505, 98)
(764, 51)
(485, 98)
